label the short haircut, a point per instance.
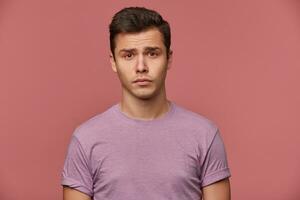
(137, 19)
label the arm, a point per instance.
(217, 191)
(76, 177)
(72, 194)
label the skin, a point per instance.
(217, 191)
(143, 55)
(72, 194)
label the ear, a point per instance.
(170, 58)
(112, 62)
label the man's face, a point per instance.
(141, 56)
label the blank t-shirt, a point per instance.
(112, 156)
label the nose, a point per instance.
(141, 64)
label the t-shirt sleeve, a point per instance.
(215, 165)
(76, 171)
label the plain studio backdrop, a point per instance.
(235, 62)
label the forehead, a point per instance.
(140, 40)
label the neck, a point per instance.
(145, 109)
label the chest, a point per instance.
(142, 160)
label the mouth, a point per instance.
(142, 82)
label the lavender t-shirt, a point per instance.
(113, 156)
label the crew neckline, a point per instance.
(124, 117)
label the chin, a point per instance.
(144, 94)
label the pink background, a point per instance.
(236, 62)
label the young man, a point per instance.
(146, 147)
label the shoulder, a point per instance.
(194, 119)
(197, 124)
(92, 127)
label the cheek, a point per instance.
(126, 67)
(160, 68)
(124, 75)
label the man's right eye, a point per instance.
(128, 56)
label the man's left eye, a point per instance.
(152, 54)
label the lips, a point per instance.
(142, 80)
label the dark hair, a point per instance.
(137, 19)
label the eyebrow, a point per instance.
(134, 49)
(152, 48)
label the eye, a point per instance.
(128, 56)
(152, 54)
